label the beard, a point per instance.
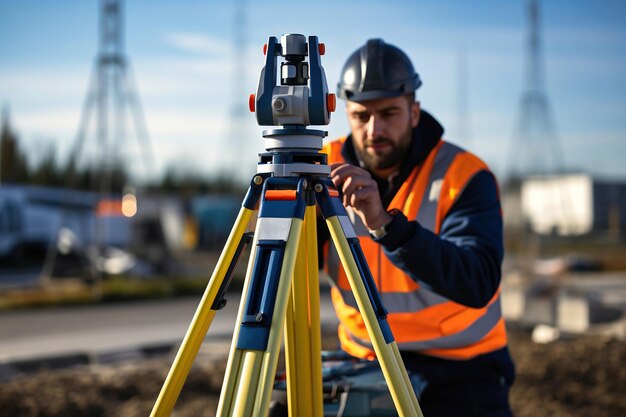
(394, 154)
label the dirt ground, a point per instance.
(584, 376)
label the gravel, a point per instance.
(584, 376)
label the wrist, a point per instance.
(397, 233)
(382, 220)
(378, 228)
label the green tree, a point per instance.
(13, 164)
(47, 172)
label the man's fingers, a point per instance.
(359, 190)
(362, 186)
(359, 196)
(346, 170)
(354, 183)
(336, 165)
(348, 177)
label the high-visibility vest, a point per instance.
(420, 319)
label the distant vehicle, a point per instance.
(31, 218)
(216, 215)
(36, 222)
(84, 230)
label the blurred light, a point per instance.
(129, 205)
(107, 208)
(67, 240)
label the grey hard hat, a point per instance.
(377, 70)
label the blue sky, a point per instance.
(182, 53)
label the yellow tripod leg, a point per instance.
(405, 376)
(268, 372)
(314, 311)
(297, 351)
(250, 373)
(400, 392)
(235, 358)
(200, 323)
(248, 382)
(302, 329)
(291, 348)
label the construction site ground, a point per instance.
(582, 376)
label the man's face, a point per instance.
(381, 130)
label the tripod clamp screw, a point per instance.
(258, 180)
(319, 188)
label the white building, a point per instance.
(573, 204)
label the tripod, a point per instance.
(281, 285)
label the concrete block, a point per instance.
(573, 313)
(513, 301)
(578, 311)
(539, 309)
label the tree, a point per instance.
(13, 164)
(47, 172)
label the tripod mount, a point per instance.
(281, 289)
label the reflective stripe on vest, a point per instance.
(472, 334)
(419, 318)
(427, 214)
(401, 302)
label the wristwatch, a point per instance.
(379, 232)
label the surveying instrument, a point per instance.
(281, 288)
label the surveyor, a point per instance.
(432, 236)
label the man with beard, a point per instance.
(431, 226)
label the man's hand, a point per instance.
(360, 192)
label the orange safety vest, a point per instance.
(420, 319)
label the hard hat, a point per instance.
(377, 70)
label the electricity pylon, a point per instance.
(112, 96)
(536, 148)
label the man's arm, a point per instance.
(463, 262)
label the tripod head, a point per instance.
(301, 99)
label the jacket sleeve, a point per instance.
(463, 262)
